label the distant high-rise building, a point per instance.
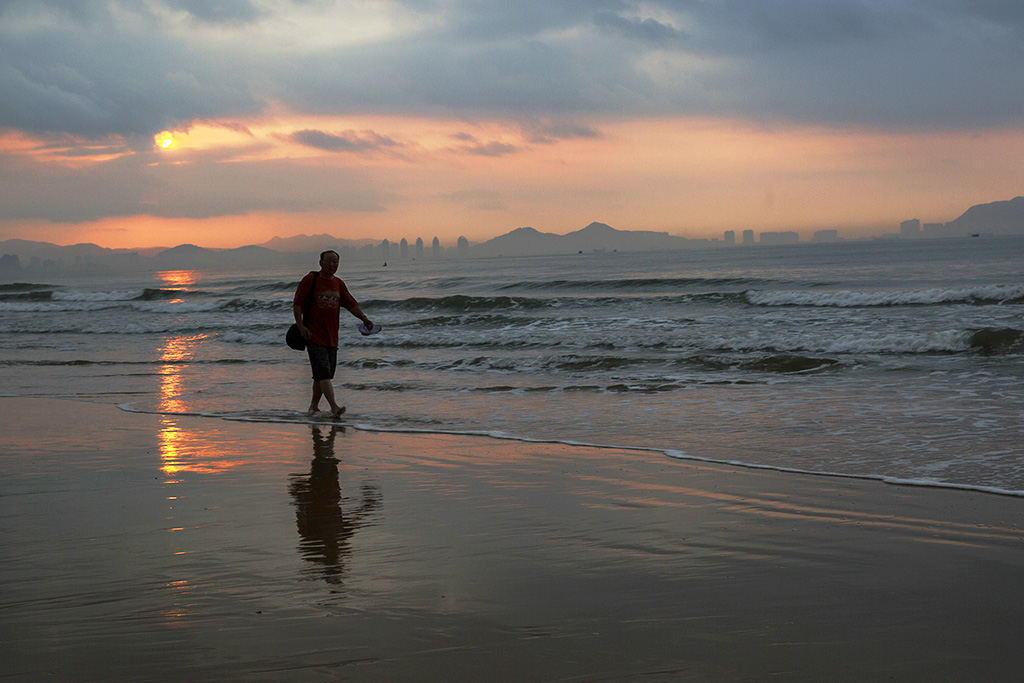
(385, 250)
(730, 237)
(463, 247)
(403, 249)
(911, 228)
(748, 237)
(435, 247)
(419, 248)
(825, 236)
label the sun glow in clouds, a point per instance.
(164, 140)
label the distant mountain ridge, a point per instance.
(89, 257)
(188, 256)
(595, 237)
(18, 254)
(996, 218)
(308, 244)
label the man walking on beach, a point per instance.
(319, 325)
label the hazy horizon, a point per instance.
(805, 237)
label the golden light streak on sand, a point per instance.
(179, 450)
(172, 439)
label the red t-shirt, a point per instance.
(322, 318)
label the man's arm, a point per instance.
(299, 305)
(303, 330)
(358, 312)
(352, 306)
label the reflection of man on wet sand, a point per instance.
(325, 529)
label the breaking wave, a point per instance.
(22, 287)
(990, 294)
(461, 303)
(639, 284)
(991, 342)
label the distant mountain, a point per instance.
(28, 249)
(594, 237)
(189, 256)
(601, 236)
(309, 244)
(79, 257)
(996, 218)
(522, 242)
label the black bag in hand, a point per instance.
(294, 339)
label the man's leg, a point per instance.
(319, 361)
(314, 403)
(323, 360)
(326, 389)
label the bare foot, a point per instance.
(339, 411)
(311, 411)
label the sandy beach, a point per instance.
(168, 548)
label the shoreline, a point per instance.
(674, 454)
(162, 547)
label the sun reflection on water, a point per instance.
(180, 450)
(174, 353)
(185, 449)
(178, 279)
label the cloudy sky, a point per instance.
(158, 122)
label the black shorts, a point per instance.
(323, 360)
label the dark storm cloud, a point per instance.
(904, 65)
(469, 21)
(471, 145)
(490, 149)
(218, 11)
(82, 68)
(203, 188)
(645, 30)
(428, 75)
(349, 141)
(913, 64)
(88, 12)
(1001, 12)
(89, 78)
(735, 27)
(548, 132)
(72, 147)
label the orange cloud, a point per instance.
(227, 183)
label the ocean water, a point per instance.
(893, 360)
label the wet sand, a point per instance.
(145, 547)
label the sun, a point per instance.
(164, 140)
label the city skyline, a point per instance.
(994, 219)
(1000, 217)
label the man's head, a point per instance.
(329, 262)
